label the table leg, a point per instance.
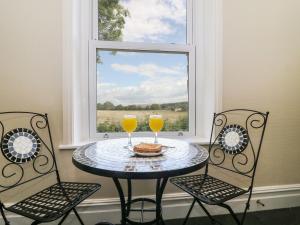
(129, 197)
(160, 187)
(122, 201)
(126, 206)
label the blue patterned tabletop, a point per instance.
(110, 158)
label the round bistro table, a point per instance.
(109, 158)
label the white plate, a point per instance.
(148, 154)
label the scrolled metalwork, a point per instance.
(251, 120)
(255, 120)
(42, 167)
(13, 174)
(2, 130)
(39, 122)
(243, 163)
(19, 172)
(220, 120)
(218, 156)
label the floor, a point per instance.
(289, 216)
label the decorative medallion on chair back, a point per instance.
(236, 140)
(26, 148)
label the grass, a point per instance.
(109, 120)
(115, 116)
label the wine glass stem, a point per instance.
(155, 138)
(129, 139)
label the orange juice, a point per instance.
(156, 123)
(129, 123)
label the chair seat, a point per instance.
(208, 189)
(52, 203)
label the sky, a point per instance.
(141, 77)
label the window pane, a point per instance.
(141, 83)
(154, 21)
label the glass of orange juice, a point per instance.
(156, 123)
(129, 124)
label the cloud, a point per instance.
(162, 85)
(165, 89)
(106, 85)
(149, 69)
(153, 19)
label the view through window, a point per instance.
(154, 21)
(142, 82)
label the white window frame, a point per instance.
(187, 48)
(141, 47)
(78, 34)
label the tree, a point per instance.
(99, 106)
(119, 107)
(111, 21)
(155, 107)
(108, 106)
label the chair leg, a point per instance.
(63, 219)
(244, 214)
(231, 212)
(189, 212)
(6, 222)
(78, 217)
(246, 209)
(213, 221)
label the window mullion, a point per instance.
(138, 46)
(95, 19)
(189, 22)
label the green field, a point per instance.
(109, 120)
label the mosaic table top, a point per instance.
(109, 158)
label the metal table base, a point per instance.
(126, 206)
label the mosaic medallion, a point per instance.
(233, 139)
(20, 145)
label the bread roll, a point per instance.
(147, 148)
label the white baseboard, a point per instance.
(175, 205)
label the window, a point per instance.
(141, 57)
(143, 64)
(142, 84)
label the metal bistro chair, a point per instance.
(28, 154)
(235, 148)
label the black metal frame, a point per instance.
(44, 164)
(126, 205)
(243, 163)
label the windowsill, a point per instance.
(194, 140)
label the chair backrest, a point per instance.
(236, 139)
(27, 151)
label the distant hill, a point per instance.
(177, 106)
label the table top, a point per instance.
(109, 158)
